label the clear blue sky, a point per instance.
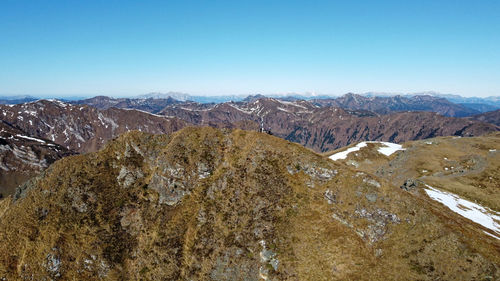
(246, 47)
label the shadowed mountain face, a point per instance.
(492, 117)
(385, 105)
(82, 128)
(205, 204)
(22, 157)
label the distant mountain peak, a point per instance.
(158, 95)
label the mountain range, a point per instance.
(86, 125)
(154, 188)
(471, 103)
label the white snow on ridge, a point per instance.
(290, 103)
(30, 138)
(143, 111)
(474, 212)
(58, 102)
(389, 147)
(343, 154)
(386, 148)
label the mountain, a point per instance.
(169, 95)
(475, 103)
(493, 100)
(85, 128)
(82, 128)
(152, 105)
(208, 204)
(386, 105)
(481, 107)
(22, 157)
(187, 97)
(325, 128)
(16, 99)
(492, 117)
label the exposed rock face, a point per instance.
(385, 105)
(82, 128)
(492, 117)
(22, 156)
(206, 204)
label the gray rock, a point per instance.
(371, 197)
(410, 184)
(170, 191)
(330, 196)
(53, 264)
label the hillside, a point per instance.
(22, 157)
(82, 128)
(391, 104)
(152, 105)
(492, 117)
(208, 204)
(468, 167)
(326, 128)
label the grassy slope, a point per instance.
(464, 166)
(82, 216)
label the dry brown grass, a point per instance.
(213, 233)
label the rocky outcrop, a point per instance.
(411, 184)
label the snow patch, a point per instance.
(143, 111)
(343, 154)
(387, 149)
(474, 212)
(239, 109)
(58, 102)
(290, 103)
